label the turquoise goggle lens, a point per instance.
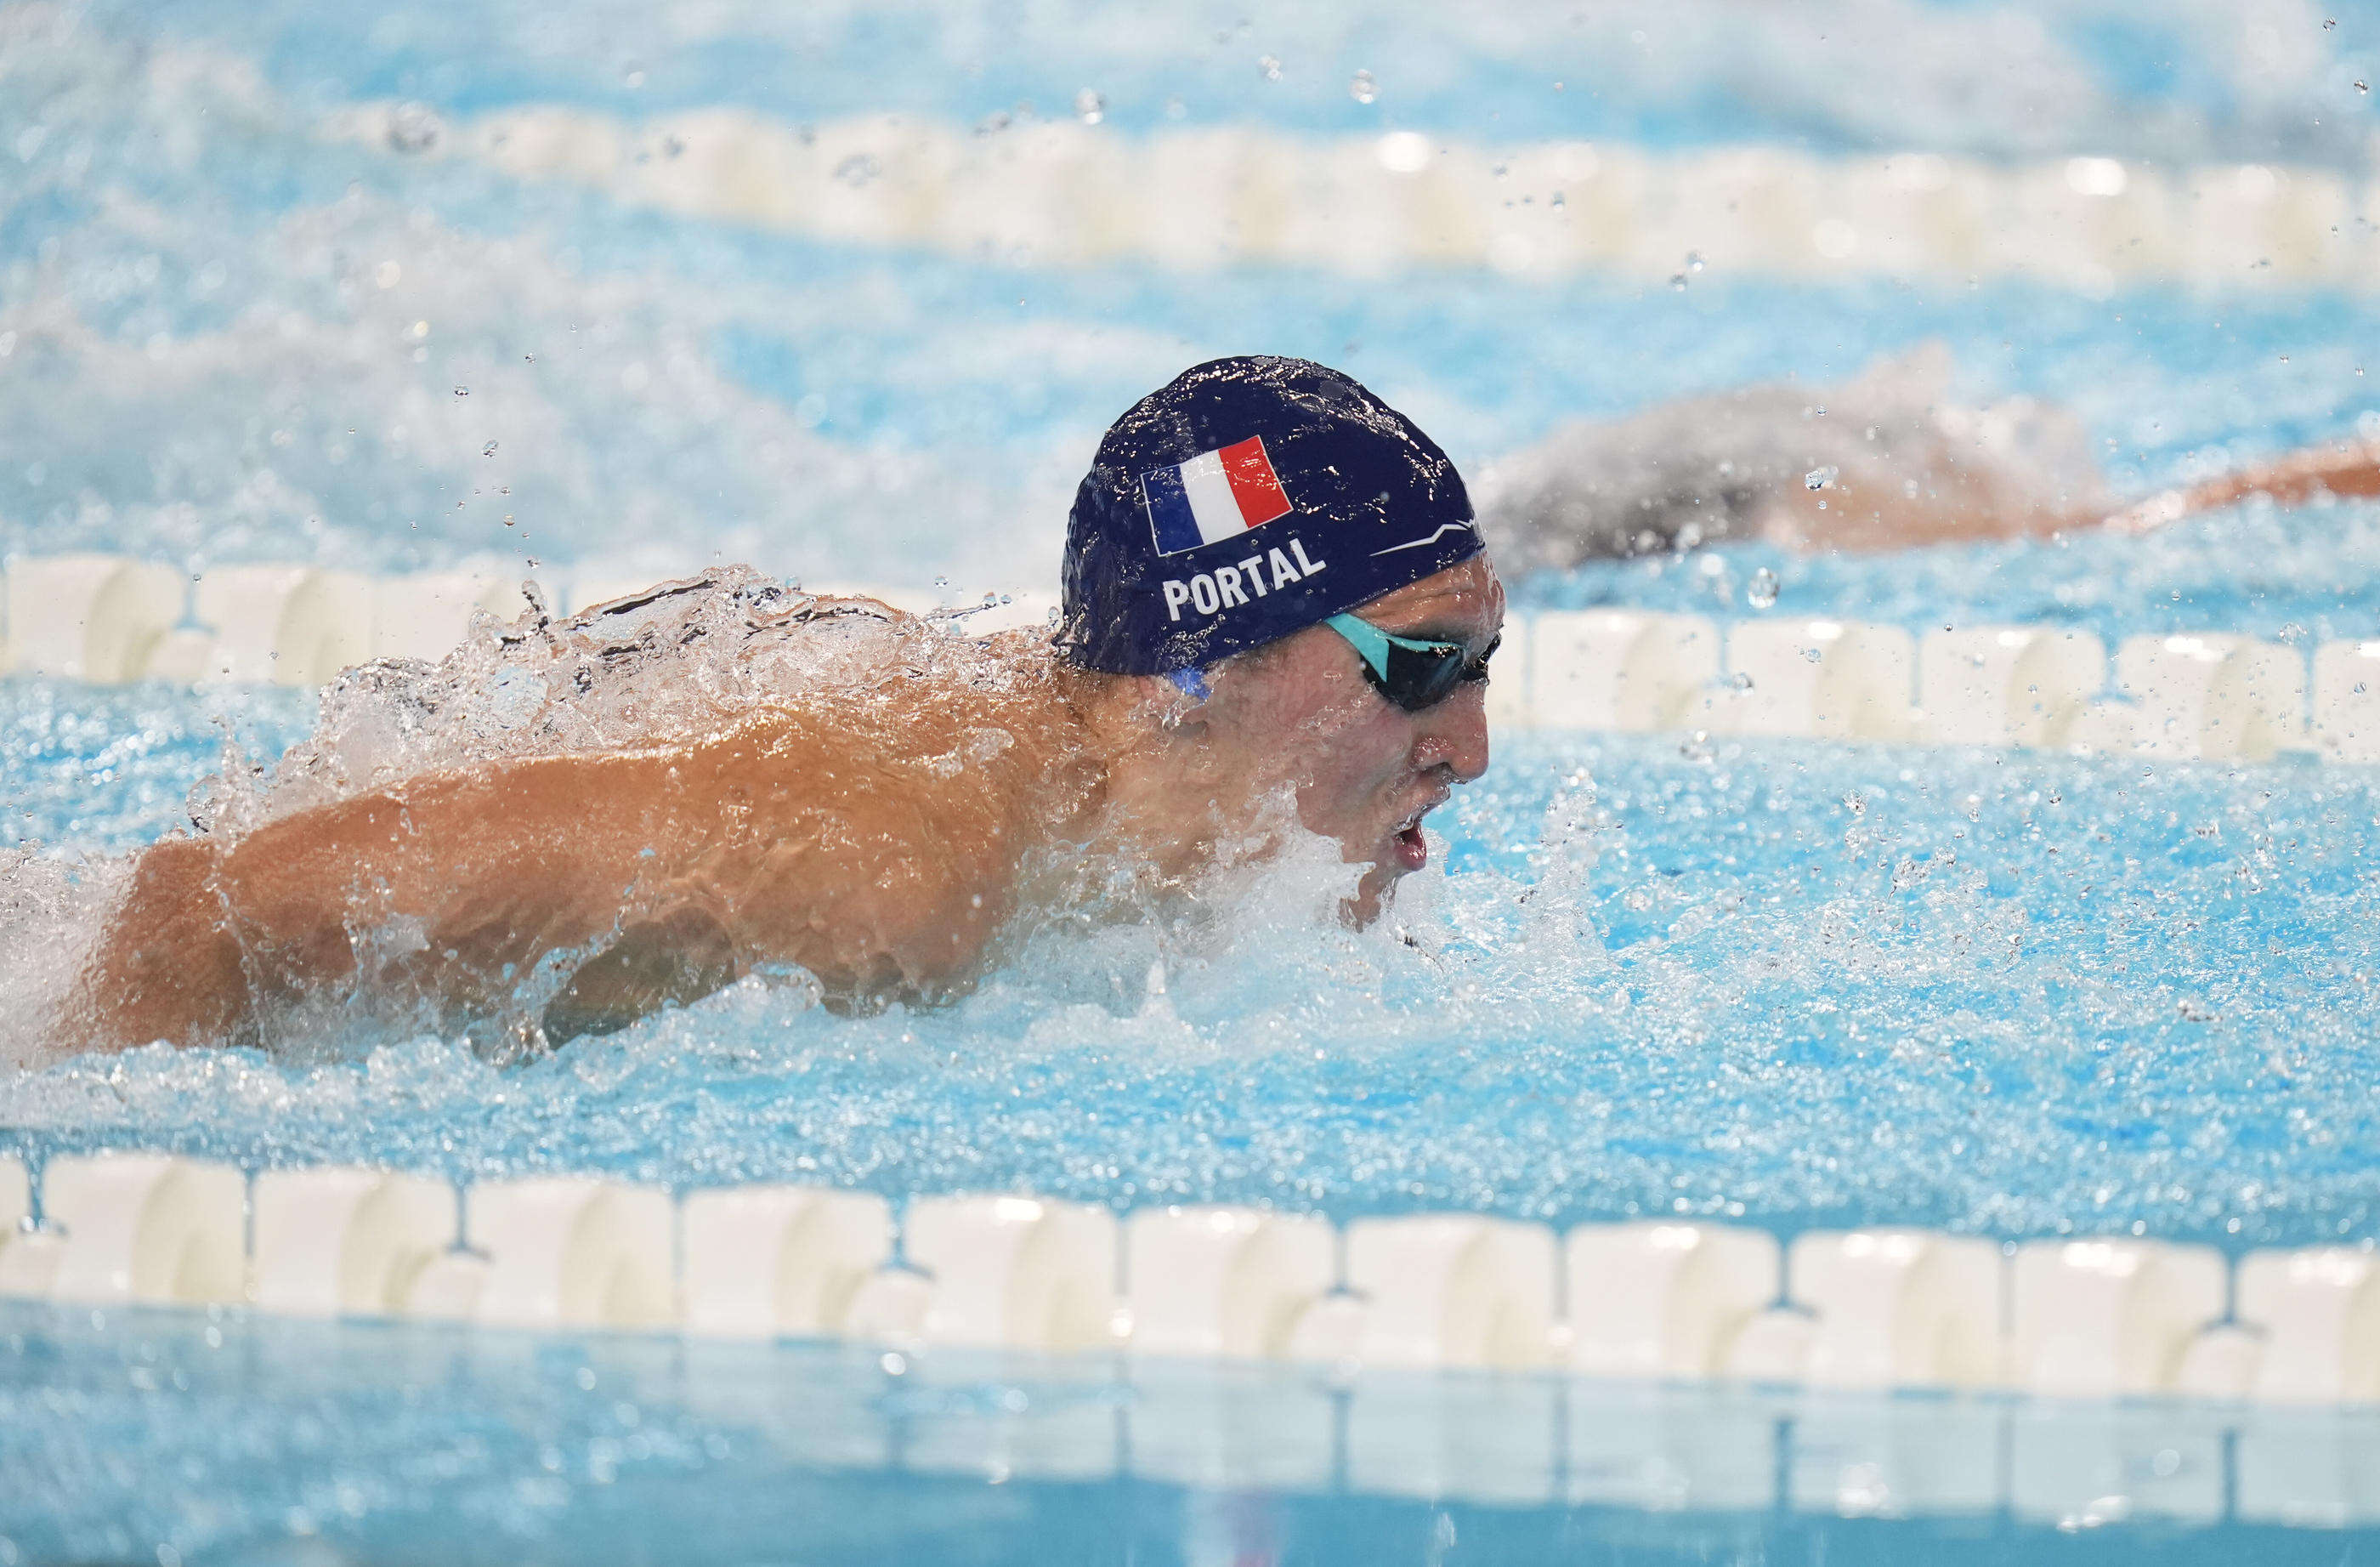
(1409, 671)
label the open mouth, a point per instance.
(1410, 849)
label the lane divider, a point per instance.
(2193, 695)
(1879, 1308)
(1063, 194)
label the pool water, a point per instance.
(1783, 984)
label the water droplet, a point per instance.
(1820, 478)
(1678, 281)
(632, 76)
(1091, 107)
(508, 519)
(1761, 592)
(1694, 260)
(858, 169)
(1269, 67)
(1363, 89)
(2328, 23)
(1740, 681)
(1696, 747)
(413, 127)
(488, 450)
(2361, 85)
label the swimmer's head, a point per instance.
(1249, 499)
(1226, 521)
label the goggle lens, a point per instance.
(1410, 671)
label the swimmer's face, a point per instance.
(1365, 770)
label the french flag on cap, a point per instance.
(1213, 496)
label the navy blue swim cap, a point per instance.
(1251, 498)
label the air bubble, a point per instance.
(1363, 89)
(1091, 107)
(488, 450)
(1761, 591)
(1269, 67)
(1820, 478)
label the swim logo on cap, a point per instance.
(1251, 498)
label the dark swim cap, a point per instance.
(1251, 498)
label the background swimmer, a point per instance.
(1887, 461)
(875, 821)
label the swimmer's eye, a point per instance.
(1477, 668)
(1413, 672)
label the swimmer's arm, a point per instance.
(484, 868)
(2347, 471)
(883, 885)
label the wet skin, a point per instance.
(840, 838)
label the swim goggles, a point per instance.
(1411, 673)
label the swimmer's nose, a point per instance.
(1455, 735)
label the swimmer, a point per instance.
(1885, 462)
(1278, 614)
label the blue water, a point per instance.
(296, 1443)
(1792, 984)
(1783, 984)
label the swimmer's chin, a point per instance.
(1409, 852)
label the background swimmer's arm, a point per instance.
(2345, 470)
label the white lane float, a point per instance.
(2220, 1363)
(284, 625)
(20, 1274)
(1619, 670)
(1450, 1290)
(1014, 1272)
(1833, 679)
(2007, 684)
(427, 617)
(556, 1251)
(91, 617)
(2220, 697)
(134, 1228)
(2347, 700)
(1223, 1281)
(345, 1240)
(2109, 1317)
(2320, 1310)
(772, 1261)
(1898, 1308)
(1657, 1300)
